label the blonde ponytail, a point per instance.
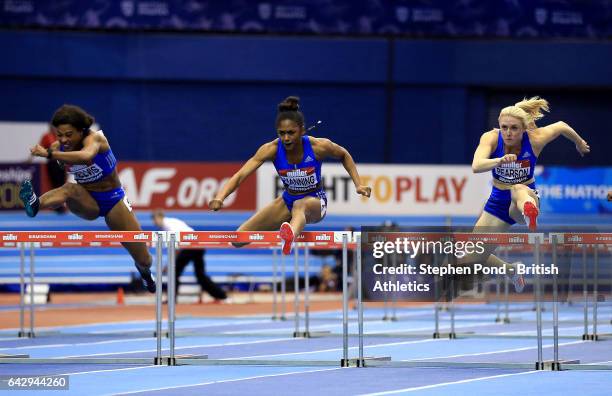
(533, 107)
(527, 110)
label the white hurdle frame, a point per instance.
(43, 239)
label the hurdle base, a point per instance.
(356, 362)
(176, 360)
(26, 334)
(506, 320)
(436, 335)
(23, 356)
(452, 336)
(551, 365)
(498, 319)
(311, 334)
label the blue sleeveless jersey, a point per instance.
(301, 178)
(518, 171)
(102, 165)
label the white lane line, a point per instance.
(339, 349)
(144, 350)
(608, 361)
(135, 329)
(225, 381)
(494, 352)
(368, 331)
(417, 388)
(108, 370)
(533, 331)
(187, 347)
(79, 344)
(61, 327)
(187, 327)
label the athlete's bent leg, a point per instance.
(268, 218)
(78, 199)
(121, 218)
(524, 206)
(487, 223)
(305, 211)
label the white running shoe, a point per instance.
(517, 280)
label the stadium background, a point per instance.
(405, 82)
(187, 90)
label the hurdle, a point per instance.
(66, 239)
(583, 240)
(265, 240)
(533, 239)
(308, 240)
(158, 240)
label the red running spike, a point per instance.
(286, 234)
(531, 214)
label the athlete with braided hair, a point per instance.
(297, 158)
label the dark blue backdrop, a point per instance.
(415, 18)
(213, 98)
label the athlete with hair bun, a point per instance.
(297, 158)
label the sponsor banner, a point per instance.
(11, 176)
(183, 185)
(252, 236)
(575, 190)
(581, 238)
(396, 189)
(71, 237)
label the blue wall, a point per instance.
(213, 98)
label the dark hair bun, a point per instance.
(89, 120)
(292, 103)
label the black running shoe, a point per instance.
(29, 198)
(147, 278)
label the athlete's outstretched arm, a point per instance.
(550, 132)
(264, 153)
(91, 147)
(326, 148)
(481, 162)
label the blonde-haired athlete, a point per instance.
(511, 153)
